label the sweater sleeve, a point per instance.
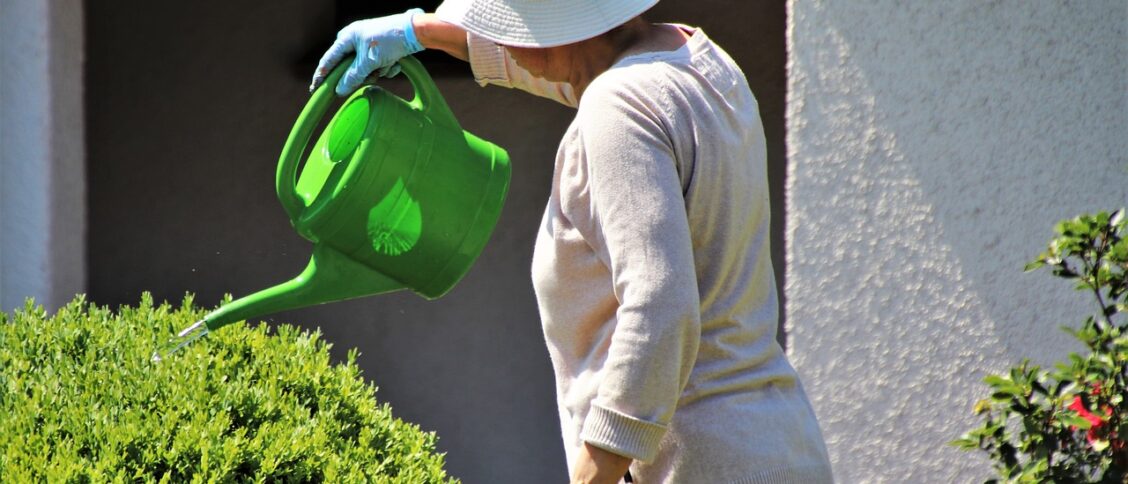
(640, 230)
(491, 64)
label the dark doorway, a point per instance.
(187, 106)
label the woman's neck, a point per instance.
(594, 56)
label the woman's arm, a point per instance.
(437, 34)
(491, 63)
(598, 466)
(631, 211)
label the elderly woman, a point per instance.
(651, 266)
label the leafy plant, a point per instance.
(81, 401)
(1069, 423)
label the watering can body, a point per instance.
(393, 195)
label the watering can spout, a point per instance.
(330, 276)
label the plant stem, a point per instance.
(1093, 271)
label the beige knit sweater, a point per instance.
(653, 275)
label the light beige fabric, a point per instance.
(653, 274)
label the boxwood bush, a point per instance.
(82, 401)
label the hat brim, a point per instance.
(540, 23)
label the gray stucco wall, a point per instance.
(932, 145)
(42, 156)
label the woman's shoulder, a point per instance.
(634, 79)
(631, 91)
(640, 80)
(698, 65)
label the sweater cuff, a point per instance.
(622, 434)
(487, 61)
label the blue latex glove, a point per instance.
(378, 42)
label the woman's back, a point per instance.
(652, 271)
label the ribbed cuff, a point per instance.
(487, 61)
(622, 434)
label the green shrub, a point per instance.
(81, 401)
(1068, 423)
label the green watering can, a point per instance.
(394, 195)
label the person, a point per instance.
(651, 266)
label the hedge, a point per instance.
(82, 401)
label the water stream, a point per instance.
(182, 339)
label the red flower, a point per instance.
(1079, 407)
(1095, 422)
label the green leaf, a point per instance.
(982, 406)
(1119, 251)
(1074, 420)
(965, 443)
(1006, 394)
(998, 381)
(1065, 272)
(1101, 218)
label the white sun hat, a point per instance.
(540, 23)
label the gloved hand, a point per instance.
(378, 42)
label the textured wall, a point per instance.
(42, 172)
(931, 147)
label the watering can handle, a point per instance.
(427, 96)
(427, 99)
(285, 182)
